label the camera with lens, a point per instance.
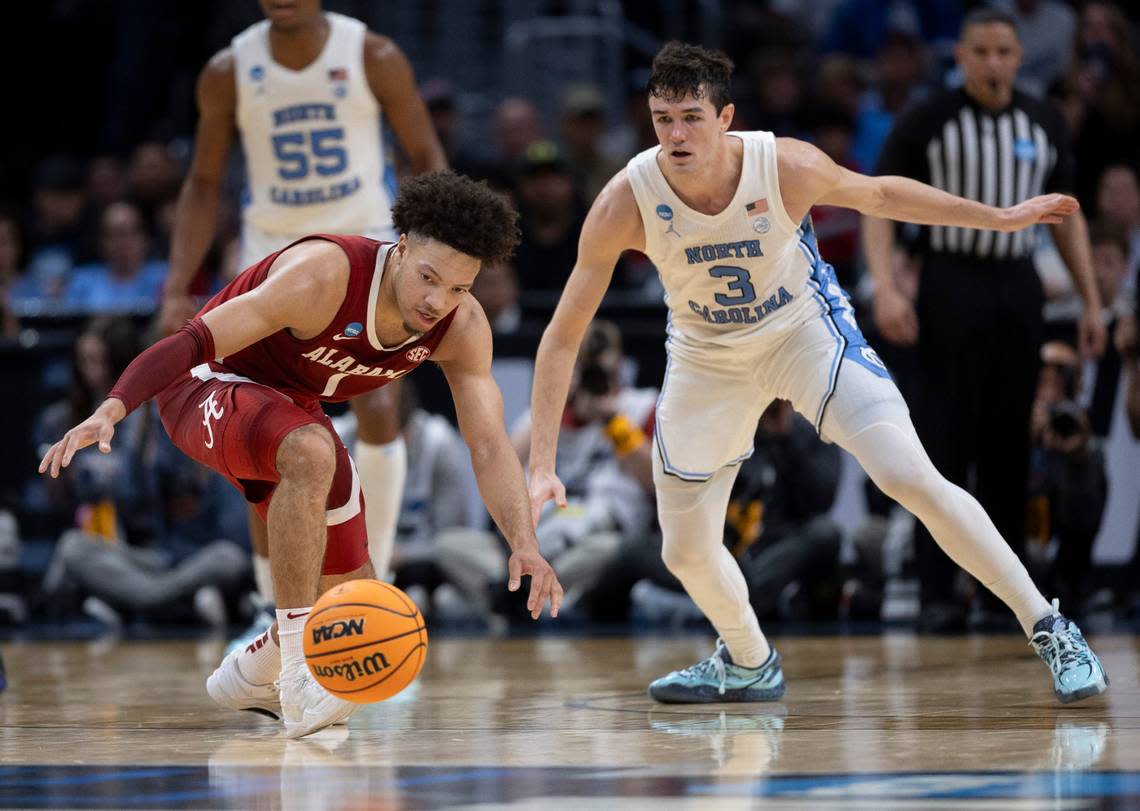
(594, 378)
(1065, 419)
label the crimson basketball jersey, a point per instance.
(346, 359)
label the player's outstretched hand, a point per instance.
(1046, 208)
(542, 487)
(544, 583)
(99, 427)
(895, 317)
(176, 310)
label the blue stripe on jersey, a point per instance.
(838, 314)
(828, 305)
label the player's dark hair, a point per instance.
(989, 16)
(680, 69)
(460, 213)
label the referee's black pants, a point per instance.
(980, 332)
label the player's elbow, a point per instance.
(878, 198)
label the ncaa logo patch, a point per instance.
(664, 212)
(354, 329)
(257, 73)
(872, 357)
(761, 225)
(418, 354)
(1024, 150)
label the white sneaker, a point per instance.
(307, 707)
(230, 689)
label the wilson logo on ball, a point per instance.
(335, 630)
(353, 670)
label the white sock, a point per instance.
(692, 517)
(259, 662)
(263, 577)
(382, 469)
(290, 630)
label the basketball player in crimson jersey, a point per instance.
(305, 89)
(328, 318)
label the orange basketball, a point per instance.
(365, 641)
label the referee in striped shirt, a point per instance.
(977, 320)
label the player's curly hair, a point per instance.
(680, 69)
(457, 211)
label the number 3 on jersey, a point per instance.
(741, 285)
(325, 153)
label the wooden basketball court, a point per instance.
(893, 721)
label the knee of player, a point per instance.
(307, 454)
(680, 557)
(907, 478)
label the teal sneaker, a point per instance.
(1077, 672)
(718, 679)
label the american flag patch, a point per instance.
(338, 74)
(757, 207)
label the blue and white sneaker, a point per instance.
(1077, 672)
(718, 679)
(263, 620)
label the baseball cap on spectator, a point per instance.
(543, 155)
(583, 100)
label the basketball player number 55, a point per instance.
(289, 147)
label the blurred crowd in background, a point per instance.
(87, 199)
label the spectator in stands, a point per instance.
(107, 481)
(860, 27)
(837, 229)
(441, 558)
(605, 462)
(11, 250)
(106, 181)
(1106, 71)
(60, 230)
(517, 126)
(838, 84)
(153, 178)
(583, 124)
(496, 289)
(126, 278)
(777, 524)
(1068, 484)
(1118, 204)
(899, 67)
(634, 131)
(146, 517)
(775, 101)
(551, 214)
(442, 105)
(1047, 29)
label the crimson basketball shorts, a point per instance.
(235, 426)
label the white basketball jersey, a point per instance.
(728, 277)
(312, 137)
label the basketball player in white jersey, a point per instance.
(755, 314)
(305, 89)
